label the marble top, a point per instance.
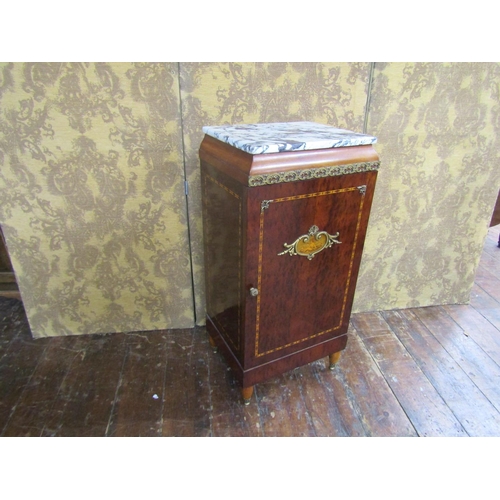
(261, 138)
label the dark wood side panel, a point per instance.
(223, 227)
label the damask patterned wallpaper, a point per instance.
(93, 159)
(92, 196)
(438, 129)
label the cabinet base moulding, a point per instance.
(249, 377)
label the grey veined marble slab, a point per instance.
(261, 138)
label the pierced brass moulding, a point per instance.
(312, 173)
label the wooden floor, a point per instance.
(431, 371)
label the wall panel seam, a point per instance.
(186, 191)
(371, 71)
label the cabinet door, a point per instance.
(305, 240)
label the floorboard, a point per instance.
(426, 409)
(228, 416)
(89, 390)
(462, 396)
(327, 402)
(472, 359)
(138, 404)
(186, 398)
(430, 371)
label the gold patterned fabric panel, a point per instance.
(92, 196)
(231, 93)
(438, 133)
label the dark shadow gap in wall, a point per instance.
(186, 192)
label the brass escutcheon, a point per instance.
(310, 244)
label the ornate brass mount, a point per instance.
(310, 244)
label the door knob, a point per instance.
(254, 292)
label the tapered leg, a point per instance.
(212, 344)
(247, 392)
(334, 359)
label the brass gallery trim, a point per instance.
(312, 173)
